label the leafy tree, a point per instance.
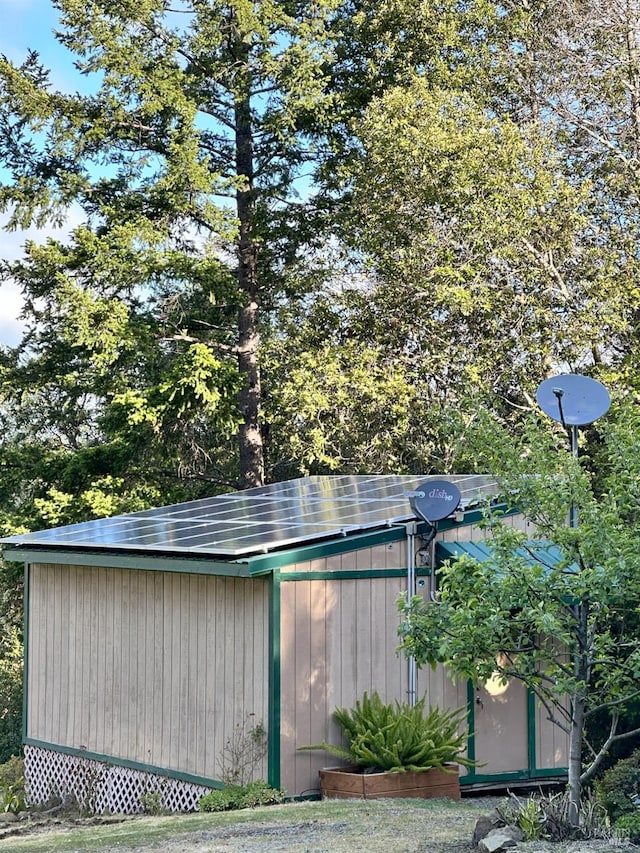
(183, 163)
(573, 68)
(343, 397)
(351, 410)
(487, 173)
(11, 660)
(460, 223)
(97, 398)
(565, 625)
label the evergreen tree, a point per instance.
(183, 163)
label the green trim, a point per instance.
(113, 560)
(126, 762)
(531, 730)
(349, 574)
(559, 773)
(25, 651)
(275, 685)
(343, 545)
(320, 550)
(471, 725)
(473, 516)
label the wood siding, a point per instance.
(389, 556)
(474, 533)
(154, 667)
(339, 638)
(552, 744)
(501, 726)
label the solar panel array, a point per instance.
(257, 520)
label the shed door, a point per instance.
(501, 727)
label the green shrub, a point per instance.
(12, 793)
(11, 652)
(12, 771)
(628, 826)
(398, 737)
(151, 802)
(619, 788)
(547, 815)
(223, 800)
(531, 820)
(241, 797)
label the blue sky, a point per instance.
(27, 24)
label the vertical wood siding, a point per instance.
(339, 638)
(473, 533)
(552, 744)
(502, 735)
(158, 668)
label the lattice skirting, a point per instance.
(98, 787)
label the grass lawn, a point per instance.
(339, 826)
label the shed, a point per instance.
(153, 638)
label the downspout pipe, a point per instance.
(411, 529)
(412, 679)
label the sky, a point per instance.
(27, 24)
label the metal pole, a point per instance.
(573, 514)
(412, 529)
(559, 394)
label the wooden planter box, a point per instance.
(351, 783)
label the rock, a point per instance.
(500, 839)
(7, 817)
(516, 834)
(483, 827)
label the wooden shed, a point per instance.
(152, 637)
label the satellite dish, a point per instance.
(435, 499)
(572, 399)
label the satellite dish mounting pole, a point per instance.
(412, 530)
(431, 502)
(573, 431)
(575, 401)
(573, 514)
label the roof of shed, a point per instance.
(534, 552)
(257, 520)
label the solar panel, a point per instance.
(257, 520)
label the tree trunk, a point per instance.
(250, 435)
(581, 674)
(575, 758)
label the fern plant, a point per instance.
(397, 737)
